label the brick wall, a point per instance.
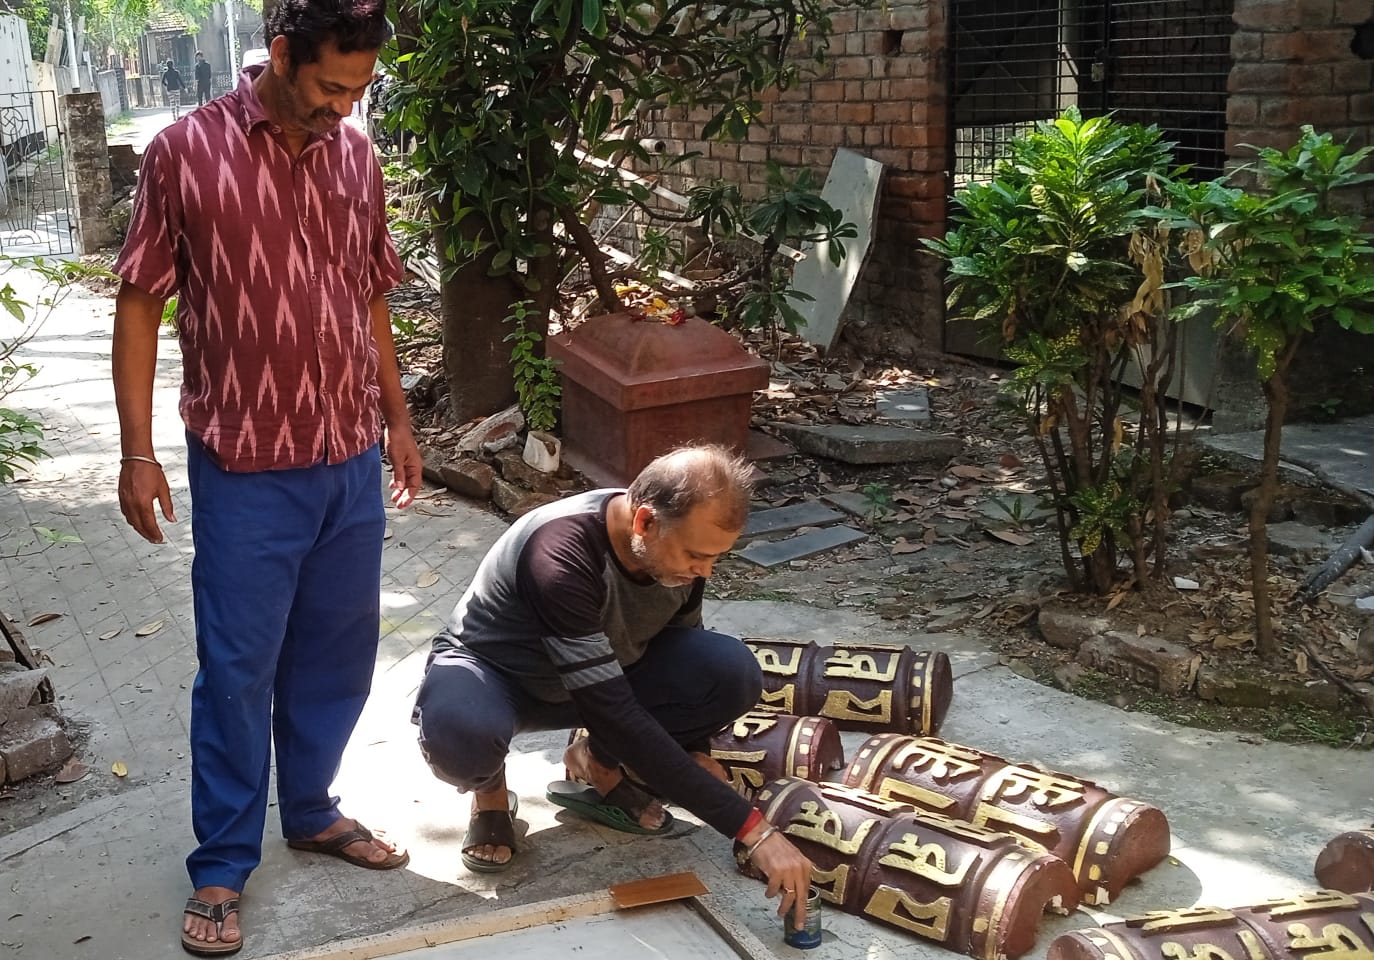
(881, 92)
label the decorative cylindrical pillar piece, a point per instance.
(1326, 923)
(1347, 862)
(1107, 840)
(965, 887)
(760, 747)
(869, 686)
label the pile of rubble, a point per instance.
(32, 738)
(496, 459)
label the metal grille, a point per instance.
(35, 218)
(1016, 62)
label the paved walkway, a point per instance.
(95, 869)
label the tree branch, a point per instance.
(591, 253)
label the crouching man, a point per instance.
(587, 612)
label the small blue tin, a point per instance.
(809, 935)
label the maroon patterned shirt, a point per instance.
(274, 260)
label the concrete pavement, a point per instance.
(94, 869)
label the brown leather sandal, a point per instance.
(336, 846)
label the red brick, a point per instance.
(1257, 77)
(1316, 13)
(787, 113)
(1309, 80)
(1353, 12)
(853, 68)
(844, 22)
(792, 133)
(1354, 76)
(909, 88)
(1309, 46)
(1362, 108)
(1276, 111)
(828, 90)
(870, 90)
(1323, 112)
(892, 112)
(753, 153)
(822, 113)
(875, 135)
(856, 113)
(786, 155)
(1266, 14)
(1248, 45)
(828, 134)
(1242, 110)
(918, 135)
(928, 159)
(853, 44)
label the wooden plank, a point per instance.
(673, 886)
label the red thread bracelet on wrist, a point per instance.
(754, 819)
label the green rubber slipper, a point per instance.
(616, 810)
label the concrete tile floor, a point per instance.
(98, 873)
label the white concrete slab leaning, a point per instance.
(852, 188)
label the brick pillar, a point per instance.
(88, 170)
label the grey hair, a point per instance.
(673, 484)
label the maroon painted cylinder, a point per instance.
(1107, 840)
(760, 747)
(967, 888)
(1324, 923)
(1347, 862)
(860, 686)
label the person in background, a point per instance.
(172, 83)
(202, 79)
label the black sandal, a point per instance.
(494, 828)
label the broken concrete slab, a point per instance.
(497, 428)
(516, 500)
(851, 187)
(770, 553)
(18, 687)
(851, 502)
(1322, 509)
(1344, 451)
(1221, 491)
(809, 513)
(911, 406)
(516, 470)
(469, 478)
(1149, 661)
(763, 446)
(1234, 687)
(863, 444)
(432, 460)
(30, 743)
(1293, 539)
(1069, 629)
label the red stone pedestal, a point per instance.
(633, 389)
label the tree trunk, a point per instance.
(474, 307)
(1276, 394)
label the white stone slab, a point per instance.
(909, 405)
(770, 553)
(852, 188)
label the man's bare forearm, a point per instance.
(137, 316)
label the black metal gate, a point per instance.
(1016, 62)
(35, 208)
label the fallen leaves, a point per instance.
(119, 769)
(150, 628)
(901, 545)
(43, 618)
(1013, 538)
(111, 634)
(427, 579)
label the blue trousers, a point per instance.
(692, 681)
(286, 583)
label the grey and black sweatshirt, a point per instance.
(552, 608)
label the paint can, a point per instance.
(810, 934)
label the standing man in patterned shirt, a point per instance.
(266, 217)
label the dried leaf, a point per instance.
(43, 618)
(967, 472)
(427, 579)
(1014, 538)
(1231, 641)
(72, 771)
(1301, 661)
(111, 634)
(930, 536)
(148, 629)
(119, 769)
(388, 533)
(902, 545)
(1010, 461)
